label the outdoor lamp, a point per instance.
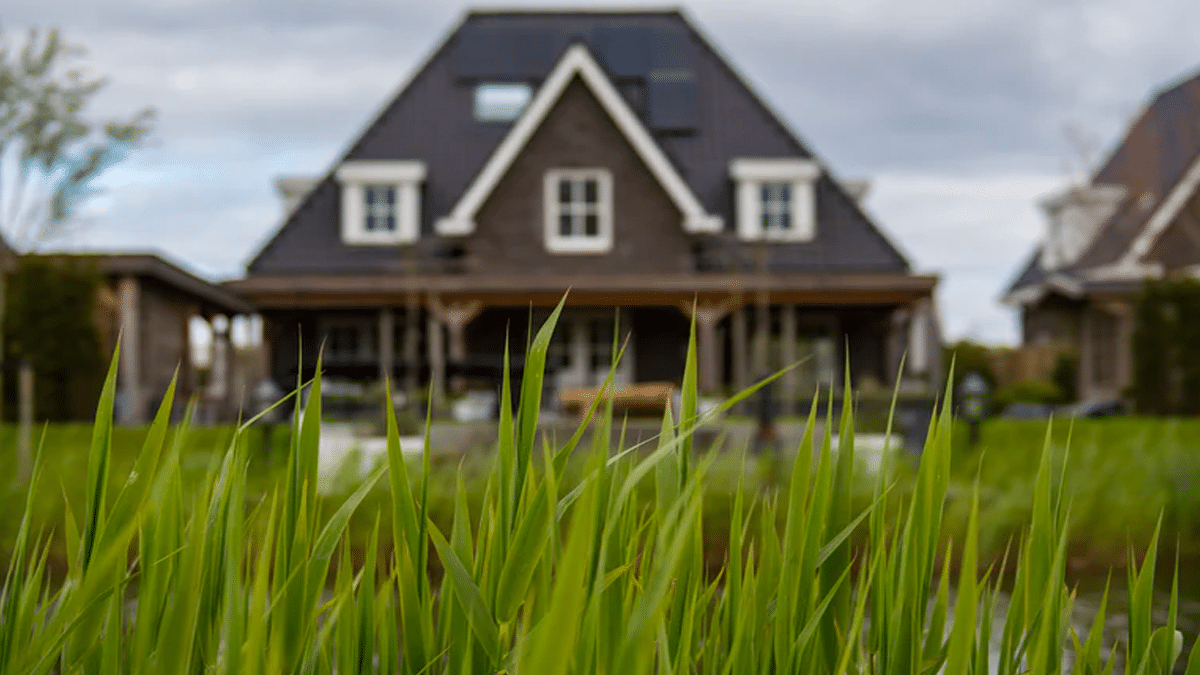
(266, 394)
(973, 392)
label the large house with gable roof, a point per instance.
(615, 154)
(1136, 218)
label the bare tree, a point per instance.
(51, 150)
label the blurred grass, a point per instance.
(1122, 473)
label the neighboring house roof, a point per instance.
(1158, 164)
(155, 266)
(698, 113)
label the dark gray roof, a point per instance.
(1031, 273)
(701, 121)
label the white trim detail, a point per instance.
(1163, 217)
(551, 210)
(576, 62)
(404, 176)
(750, 175)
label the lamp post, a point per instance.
(266, 394)
(974, 392)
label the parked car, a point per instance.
(1041, 411)
(1096, 408)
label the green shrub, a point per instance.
(50, 319)
(1028, 392)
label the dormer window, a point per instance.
(578, 210)
(776, 199)
(381, 201)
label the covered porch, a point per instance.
(445, 333)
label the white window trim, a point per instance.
(751, 173)
(405, 176)
(555, 242)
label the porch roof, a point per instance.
(313, 291)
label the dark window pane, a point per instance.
(591, 225)
(390, 196)
(785, 221)
(785, 192)
(766, 221)
(564, 225)
(389, 224)
(765, 195)
(589, 191)
(564, 191)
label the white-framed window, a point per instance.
(776, 199)
(381, 201)
(578, 210)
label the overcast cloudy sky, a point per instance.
(960, 111)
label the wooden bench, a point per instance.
(644, 398)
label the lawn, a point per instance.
(1122, 473)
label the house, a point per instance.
(618, 155)
(149, 303)
(1136, 218)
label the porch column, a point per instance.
(437, 363)
(707, 315)
(229, 358)
(387, 342)
(1124, 346)
(1086, 346)
(129, 304)
(895, 343)
(788, 355)
(762, 335)
(918, 342)
(412, 325)
(187, 366)
(457, 315)
(741, 356)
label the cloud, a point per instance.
(974, 231)
(958, 110)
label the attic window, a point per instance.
(776, 198)
(381, 201)
(501, 102)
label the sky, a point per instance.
(963, 114)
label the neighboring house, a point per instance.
(149, 303)
(615, 154)
(1137, 218)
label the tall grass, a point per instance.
(550, 576)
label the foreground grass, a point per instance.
(578, 560)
